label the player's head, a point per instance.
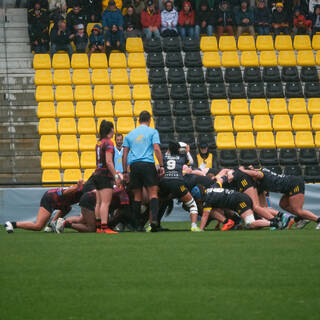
(119, 140)
(106, 129)
(174, 147)
(145, 117)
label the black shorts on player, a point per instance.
(88, 201)
(174, 187)
(296, 186)
(47, 202)
(241, 181)
(102, 182)
(143, 174)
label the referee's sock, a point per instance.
(136, 210)
(154, 206)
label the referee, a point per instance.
(139, 146)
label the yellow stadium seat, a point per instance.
(208, 44)
(84, 109)
(223, 124)
(305, 58)
(259, 106)
(119, 76)
(44, 93)
(125, 124)
(242, 123)
(65, 109)
(284, 139)
(104, 118)
(61, 77)
(117, 60)
(70, 160)
(87, 126)
(262, 122)
(83, 93)
(315, 122)
(245, 140)
(98, 61)
(265, 139)
(283, 42)
(314, 105)
(87, 142)
(121, 92)
(67, 126)
(302, 42)
(141, 92)
(46, 110)
(211, 59)
(227, 43)
(219, 107)
(51, 175)
(246, 43)
(278, 106)
(72, 175)
(249, 59)
(68, 142)
(138, 76)
(225, 140)
(49, 143)
(301, 122)
(316, 42)
(297, 105)
(100, 76)
(318, 58)
(102, 92)
(60, 61)
(64, 93)
(103, 109)
(230, 59)
(88, 160)
(123, 109)
(43, 77)
(268, 58)
(264, 43)
(281, 122)
(141, 105)
(50, 160)
(317, 139)
(134, 45)
(151, 123)
(47, 126)
(81, 76)
(79, 61)
(304, 139)
(239, 106)
(41, 61)
(136, 60)
(287, 58)
(87, 174)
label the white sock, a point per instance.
(193, 225)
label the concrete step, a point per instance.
(18, 47)
(14, 16)
(27, 164)
(34, 177)
(23, 64)
(19, 147)
(18, 98)
(19, 131)
(5, 149)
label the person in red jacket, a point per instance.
(186, 21)
(151, 21)
(300, 24)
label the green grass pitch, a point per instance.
(169, 275)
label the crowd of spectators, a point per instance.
(116, 20)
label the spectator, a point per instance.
(81, 39)
(312, 5)
(212, 5)
(262, 18)
(186, 21)
(244, 19)
(57, 8)
(316, 20)
(39, 35)
(300, 24)
(60, 38)
(280, 21)
(36, 13)
(131, 23)
(151, 21)
(105, 4)
(75, 17)
(205, 158)
(224, 19)
(31, 3)
(118, 152)
(203, 20)
(138, 6)
(92, 9)
(169, 20)
(96, 40)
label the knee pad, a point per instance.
(192, 206)
(248, 220)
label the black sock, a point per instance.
(318, 220)
(98, 223)
(136, 210)
(154, 206)
(280, 214)
(14, 224)
(297, 219)
(274, 223)
(104, 226)
(225, 221)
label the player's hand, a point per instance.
(80, 183)
(161, 171)
(126, 177)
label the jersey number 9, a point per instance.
(171, 164)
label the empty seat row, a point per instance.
(174, 59)
(69, 175)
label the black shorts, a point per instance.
(47, 202)
(175, 187)
(245, 183)
(242, 203)
(89, 185)
(88, 201)
(143, 174)
(297, 186)
(102, 182)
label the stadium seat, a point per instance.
(41, 61)
(284, 139)
(290, 74)
(245, 140)
(164, 124)
(121, 92)
(87, 174)
(102, 92)
(88, 160)
(314, 105)
(262, 122)
(305, 58)
(227, 43)
(61, 77)
(269, 157)
(195, 75)
(217, 91)
(208, 44)
(309, 74)
(157, 75)
(189, 139)
(100, 76)
(242, 123)
(207, 137)
(315, 123)
(46, 110)
(47, 126)
(198, 91)
(68, 142)
(43, 77)
(265, 139)
(84, 109)
(183, 124)
(119, 76)
(44, 93)
(292, 170)
(138, 76)
(316, 42)
(107, 119)
(160, 92)
(229, 158)
(225, 140)
(211, 59)
(214, 75)
(318, 58)
(301, 122)
(278, 106)
(302, 42)
(271, 74)
(190, 44)
(287, 58)
(136, 60)
(233, 74)
(223, 124)
(98, 61)
(281, 122)
(86, 126)
(236, 91)
(103, 109)
(317, 139)
(268, 58)
(60, 61)
(155, 60)
(200, 108)
(70, 160)
(192, 59)
(312, 174)
(219, 107)
(304, 139)
(141, 92)
(283, 42)
(65, 109)
(67, 126)
(252, 74)
(125, 124)
(123, 109)
(248, 157)
(274, 90)
(179, 92)
(134, 45)
(264, 43)
(288, 156)
(255, 90)
(87, 142)
(294, 89)
(203, 124)
(171, 44)
(48, 143)
(83, 93)
(259, 106)
(71, 175)
(117, 60)
(50, 160)
(249, 59)
(239, 106)
(312, 90)
(308, 156)
(140, 106)
(79, 61)
(152, 45)
(230, 59)
(51, 175)
(81, 76)
(176, 75)
(297, 106)
(181, 108)
(64, 93)
(246, 43)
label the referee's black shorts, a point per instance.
(174, 187)
(143, 174)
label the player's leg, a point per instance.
(218, 214)
(189, 202)
(88, 223)
(106, 197)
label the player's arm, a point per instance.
(158, 153)
(252, 173)
(197, 172)
(205, 215)
(74, 188)
(222, 172)
(189, 158)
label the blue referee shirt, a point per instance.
(140, 141)
(118, 159)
